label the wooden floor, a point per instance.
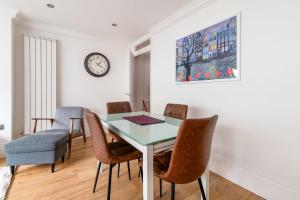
(74, 180)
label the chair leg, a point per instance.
(139, 168)
(70, 147)
(160, 187)
(63, 158)
(109, 182)
(141, 171)
(96, 178)
(12, 170)
(201, 188)
(128, 167)
(172, 191)
(84, 138)
(118, 170)
(52, 167)
(83, 130)
(112, 140)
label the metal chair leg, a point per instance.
(118, 170)
(109, 182)
(160, 187)
(201, 188)
(141, 171)
(12, 170)
(96, 178)
(139, 168)
(172, 191)
(128, 167)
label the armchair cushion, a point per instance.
(38, 142)
(62, 118)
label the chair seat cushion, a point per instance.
(38, 142)
(161, 162)
(122, 152)
(119, 149)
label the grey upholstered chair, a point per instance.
(70, 118)
(45, 147)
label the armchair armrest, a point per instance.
(72, 118)
(39, 118)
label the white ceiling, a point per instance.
(94, 17)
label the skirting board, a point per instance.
(251, 181)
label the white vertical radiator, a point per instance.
(40, 80)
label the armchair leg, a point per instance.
(109, 182)
(52, 167)
(172, 191)
(84, 138)
(70, 147)
(63, 158)
(128, 167)
(96, 178)
(201, 188)
(83, 130)
(12, 170)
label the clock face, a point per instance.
(96, 64)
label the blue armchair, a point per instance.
(46, 147)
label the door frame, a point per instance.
(134, 52)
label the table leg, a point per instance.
(148, 191)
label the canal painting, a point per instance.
(210, 54)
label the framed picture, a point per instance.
(212, 54)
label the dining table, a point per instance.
(150, 140)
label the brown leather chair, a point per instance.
(107, 153)
(117, 107)
(178, 111)
(114, 108)
(191, 151)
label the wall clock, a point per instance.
(96, 64)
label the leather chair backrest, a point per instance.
(99, 141)
(191, 151)
(178, 111)
(118, 107)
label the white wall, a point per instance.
(256, 143)
(75, 87)
(6, 74)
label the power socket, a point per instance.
(1, 126)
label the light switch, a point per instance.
(1, 126)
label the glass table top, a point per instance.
(143, 134)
